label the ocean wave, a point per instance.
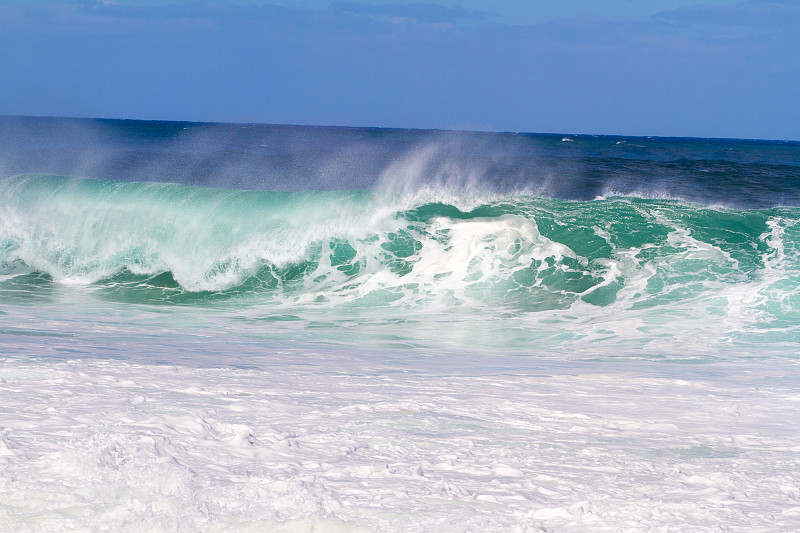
(183, 244)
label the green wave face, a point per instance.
(656, 263)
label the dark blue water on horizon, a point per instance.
(738, 173)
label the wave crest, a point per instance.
(509, 253)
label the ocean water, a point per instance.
(211, 327)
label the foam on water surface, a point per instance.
(127, 447)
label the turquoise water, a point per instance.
(553, 275)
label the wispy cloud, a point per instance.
(771, 14)
(427, 13)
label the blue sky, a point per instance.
(709, 68)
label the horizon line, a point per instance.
(413, 129)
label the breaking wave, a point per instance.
(184, 244)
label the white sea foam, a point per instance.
(337, 446)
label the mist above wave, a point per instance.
(734, 173)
